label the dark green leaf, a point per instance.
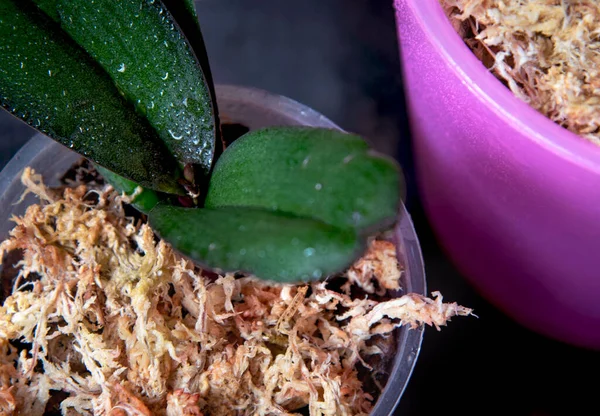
(144, 201)
(50, 8)
(150, 60)
(318, 173)
(49, 82)
(267, 244)
(184, 13)
(189, 4)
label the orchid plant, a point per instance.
(127, 84)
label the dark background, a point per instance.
(341, 58)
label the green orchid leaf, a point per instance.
(144, 200)
(50, 8)
(270, 245)
(189, 4)
(318, 173)
(50, 83)
(184, 13)
(141, 47)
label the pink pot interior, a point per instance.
(430, 16)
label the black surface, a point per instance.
(340, 57)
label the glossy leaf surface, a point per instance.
(309, 172)
(50, 83)
(184, 13)
(267, 244)
(141, 47)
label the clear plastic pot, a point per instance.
(253, 108)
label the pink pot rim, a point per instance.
(494, 95)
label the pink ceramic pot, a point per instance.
(513, 197)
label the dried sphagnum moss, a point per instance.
(124, 326)
(547, 51)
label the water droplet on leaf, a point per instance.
(174, 136)
(309, 252)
